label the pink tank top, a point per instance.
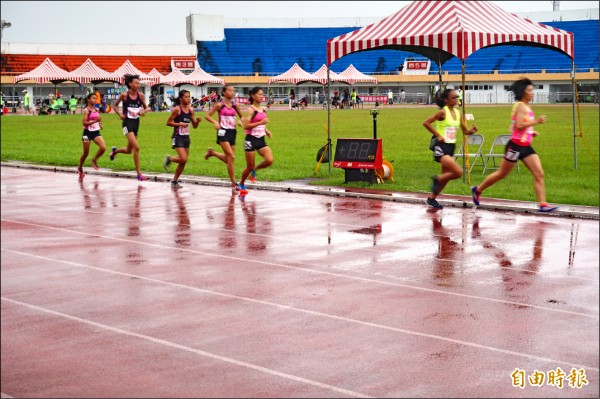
(94, 126)
(260, 130)
(522, 137)
(227, 116)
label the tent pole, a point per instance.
(574, 127)
(328, 99)
(465, 143)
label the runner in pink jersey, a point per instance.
(91, 132)
(228, 112)
(519, 146)
(255, 123)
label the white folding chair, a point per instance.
(497, 152)
(475, 144)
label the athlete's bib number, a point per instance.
(184, 130)
(221, 132)
(450, 133)
(133, 113)
(512, 155)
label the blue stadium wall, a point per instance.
(271, 51)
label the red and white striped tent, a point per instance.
(177, 78)
(46, 72)
(202, 77)
(156, 75)
(353, 75)
(129, 68)
(296, 75)
(440, 30)
(322, 74)
(90, 72)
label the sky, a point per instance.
(163, 22)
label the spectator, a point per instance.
(346, 99)
(353, 99)
(390, 97)
(60, 103)
(152, 102)
(292, 98)
(98, 100)
(316, 97)
(26, 102)
(402, 96)
(102, 103)
(72, 104)
(303, 103)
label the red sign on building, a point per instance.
(184, 64)
(417, 65)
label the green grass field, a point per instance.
(297, 136)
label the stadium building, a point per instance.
(247, 52)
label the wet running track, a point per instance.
(115, 288)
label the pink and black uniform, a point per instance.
(90, 132)
(519, 146)
(255, 137)
(227, 121)
(131, 109)
(181, 134)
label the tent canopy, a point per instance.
(46, 72)
(297, 75)
(156, 75)
(176, 78)
(322, 74)
(90, 72)
(201, 77)
(129, 68)
(351, 75)
(440, 30)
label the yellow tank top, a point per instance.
(449, 126)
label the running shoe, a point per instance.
(175, 184)
(547, 208)
(167, 163)
(113, 153)
(434, 203)
(243, 190)
(81, 174)
(475, 195)
(435, 185)
(142, 178)
(252, 176)
(94, 164)
(208, 154)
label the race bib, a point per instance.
(450, 133)
(133, 113)
(184, 130)
(221, 132)
(94, 127)
(512, 155)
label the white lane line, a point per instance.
(344, 276)
(191, 350)
(310, 312)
